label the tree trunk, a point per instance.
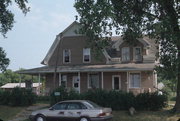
(177, 105)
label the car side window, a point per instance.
(74, 106)
(60, 106)
(83, 106)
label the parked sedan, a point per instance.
(73, 110)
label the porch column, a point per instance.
(39, 81)
(102, 80)
(79, 77)
(20, 79)
(127, 81)
(59, 79)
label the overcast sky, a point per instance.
(33, 34)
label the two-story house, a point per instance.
(122, 66)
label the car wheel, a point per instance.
(40, 118)
(84, 119)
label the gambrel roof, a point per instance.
(69, 31)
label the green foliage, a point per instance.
(9, 76)
(150, 101)
(157, 19)
(7, 17)
(63, 95)
(117, 100)
(4, 61)
(22, 97)
(4, 97)
(17, 97)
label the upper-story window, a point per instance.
(125, 54)
(66, 56)
(137, 54)
(86, 55)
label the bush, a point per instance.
(117, 100)
(22, 97)
(151, 101)
(63, 95)
(4, 97)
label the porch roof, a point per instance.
(91, 68)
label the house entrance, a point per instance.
(76, 83)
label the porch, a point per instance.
(126, 77)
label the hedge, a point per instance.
(117, 100)
(17, 97)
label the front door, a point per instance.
(76, 85)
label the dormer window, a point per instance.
(125, 54)
(137, 54)
(86, 55)
(66, 55)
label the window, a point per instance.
(86, 55)
(64, 80)
(125, 54)
(116, 83)
(134, 80)
(60, 106)
(74, 106)
(66, 56)
(137, 54)
(93, 81)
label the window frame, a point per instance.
(64, 56)
(134, 53)
(64, 80)
(130, 80)
(122, 55)
(89, 55)
(113, 76)
(89, 87)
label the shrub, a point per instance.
(63, 95)
(150, 101)
(22, 97)
(4, 97)
(117, 100)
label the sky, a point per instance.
(31, 37)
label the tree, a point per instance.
(6, 24)
(7, 17)
(9, 76)
(4, 62)
(158, 19)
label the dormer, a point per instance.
(140, 51)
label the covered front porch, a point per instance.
(127, 77)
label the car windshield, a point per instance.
(92, 105)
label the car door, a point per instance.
(57, 112)
(73, 111)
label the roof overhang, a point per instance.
(90, 68)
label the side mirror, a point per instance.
(51, 108)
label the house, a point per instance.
(123, 66)
(35, 87)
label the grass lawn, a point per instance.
(163, 115)
(7, 112)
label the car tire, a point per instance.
(84, 119)
(40, 118)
